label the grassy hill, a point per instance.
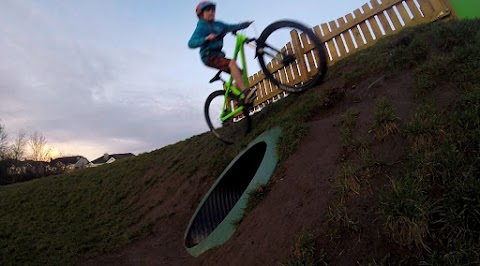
(406, 178)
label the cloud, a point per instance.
(82, 76)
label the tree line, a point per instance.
(24, 146)
(24, 157)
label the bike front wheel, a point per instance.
(291, 56)
(231, 130)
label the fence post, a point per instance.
(297, 46)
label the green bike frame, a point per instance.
(229, 88)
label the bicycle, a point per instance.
(227, 115)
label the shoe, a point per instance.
(251, 95)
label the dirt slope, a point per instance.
(299, 198)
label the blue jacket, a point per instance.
(203, 29)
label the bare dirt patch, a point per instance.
(298, 200)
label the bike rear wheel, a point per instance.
(230, 131)
(283, 64)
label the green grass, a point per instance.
(432, 208)
(53, 220)
(406, 211)
(437, 203)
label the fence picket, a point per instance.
(338, 39)
(375, 29)
(405, 16)
(330, 44)
(384, 22)
(293, 67)
(346, 36)
(268, 85)
(363, 26)
(288, 72)
(394, 18)
(310, 62)
(357, 37)
(415, 11)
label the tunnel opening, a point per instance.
(225, 195)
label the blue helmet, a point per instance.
(202, 5)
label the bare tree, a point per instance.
(3, 142)
(18, 147)
(38, 147)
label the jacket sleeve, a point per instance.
(196, 40)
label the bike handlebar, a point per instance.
(242, 26)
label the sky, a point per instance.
(117, 76)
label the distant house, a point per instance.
(65, 164)
(12, 171)
(109, 158)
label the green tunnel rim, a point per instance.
(263, 174)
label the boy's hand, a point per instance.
(210, 37)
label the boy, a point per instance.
(205, 37)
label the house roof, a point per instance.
(104, 158)
(67, 160)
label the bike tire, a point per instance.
(282, 80)
(232, 132)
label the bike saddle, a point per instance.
(216, 77)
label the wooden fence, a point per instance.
(347, 35)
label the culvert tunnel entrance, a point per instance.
(225, 195)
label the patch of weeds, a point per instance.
(467, 117)
(366, 173)
(256, 196)
(466, 57)
(422, 129)
(424, 83)
(458, 254)
(346, 180)
(462, 206)
(422, 164)
(449, 162)
(304, 252)
(405, 210)
(337, 214)
(385, 121)
(348, 122)
(384, 261)
(367, 157)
